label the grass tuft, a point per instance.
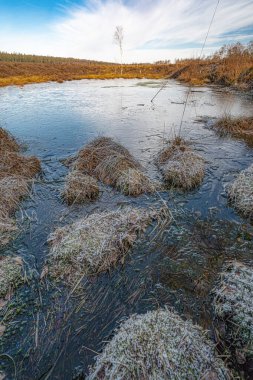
(180, 166)
(16, 172)
(80, 188)
(240, 192)
(96, 243)
(233, 307)
(11, 275)
(112, 164)
(158, 345)
(239, 127)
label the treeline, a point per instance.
(32, 58)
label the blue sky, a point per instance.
(153, 29)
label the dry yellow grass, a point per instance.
(7, 142)
(134, 182)
(16, 172)
(80, 188)
(180, 166)
(239, 127)
(13, 163)
(113, 164)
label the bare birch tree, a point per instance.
(118, 39)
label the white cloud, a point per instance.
(161, 29)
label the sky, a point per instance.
(153, 29)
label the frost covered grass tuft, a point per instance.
(96, 243)
(240, 192)
(80, 188)
(233, 305)
(180, 166)
(158, 345)
(134, 182)
(11, 275)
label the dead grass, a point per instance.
(159, 345)
(112, 164)
(11, 275)
(96, 243)
(80, 188)
(12, 190)
(239, 127)
(233, 308)
(134, 182)
(111, 168)
(16, 172)
(13, 163)
(95, 152)
(7, 142)
(180, 166)
(240, 192)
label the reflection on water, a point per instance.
(53, 332)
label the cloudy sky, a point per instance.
(153, 29)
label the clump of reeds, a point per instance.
(109, 162)
(96, 243)
(134, 182)
(158, 345)
(180, 165)
(80, 188)
(11, 275)
(240, 192)
(233, 307)
(16, 172)
(239, 127)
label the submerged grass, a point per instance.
(159, 345)
(239, 127)
(180, 166)
(112, 164)
(80, 188)
(240, 192)
(96, 243)
(233, 306)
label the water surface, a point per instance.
(54, 334)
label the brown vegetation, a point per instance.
(232, 65)
(16, 171)
(134, 182)
(109, 162)
(239, 127)
(79, 188)
(180, 165)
